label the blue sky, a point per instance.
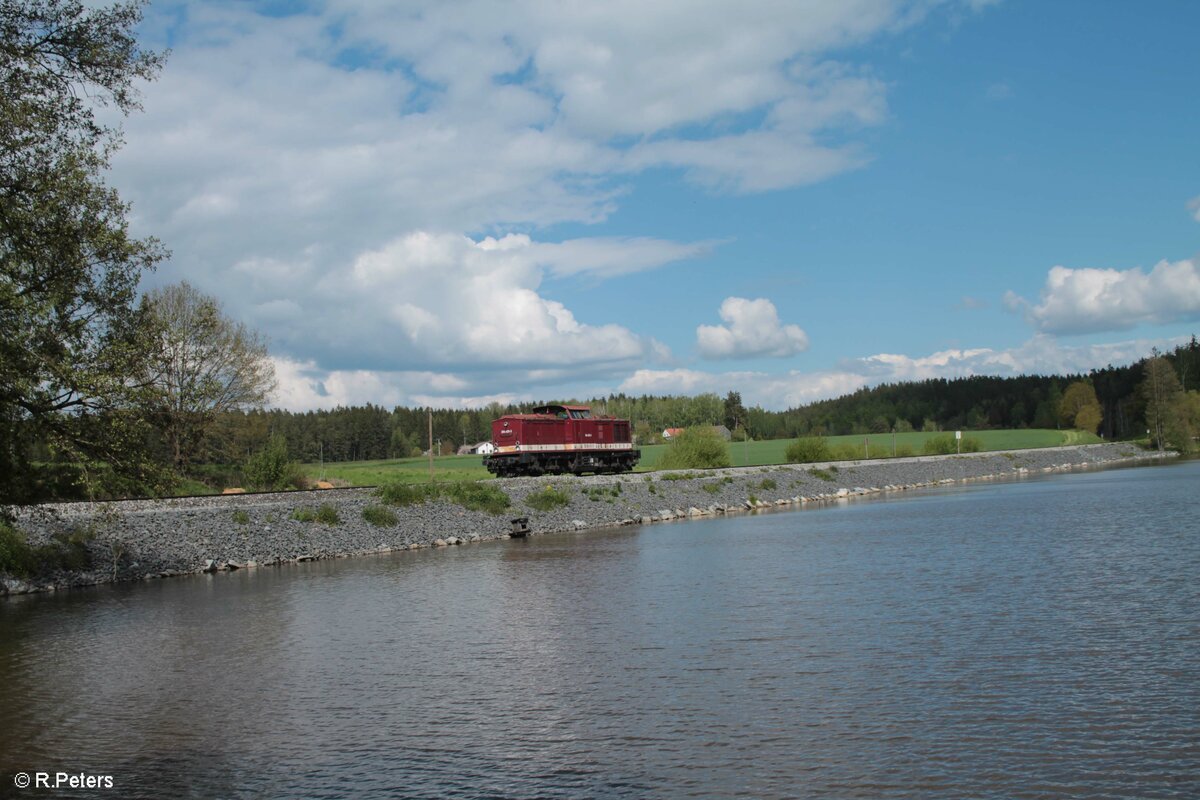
(450, 203)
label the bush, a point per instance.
(947, 444)
(768, 484)
(325, 514)
(547, 499)
(822, 474)
(269, 468)
(65, 551)
(847, 452)
(380, 516)
(477, 496)
(696, 448)
(805, 451)
(904, 451)
(406, 494)
(473, 495)
(241, 517)
(16, 556)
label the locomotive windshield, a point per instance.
(564, 412)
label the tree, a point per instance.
(204, 364)
(1079, 407)
(71, 335)
(270, 469)
(1162, 392)
(735, 412)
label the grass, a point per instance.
(380, 516)
(457, 469)
(473, 495)
(879, 445)
(547, 499)
(325, 514)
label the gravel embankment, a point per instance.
(143, 539)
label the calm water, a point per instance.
(1036, 639)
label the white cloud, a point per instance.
(1194, 207)
(751, 328)
(315, 170)
(609, 257)
(1092, 300)
(1042, 354)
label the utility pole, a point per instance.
(429, 412)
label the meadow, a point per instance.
(742, 454)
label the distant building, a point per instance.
(485, 448)
(723, 432)
(671, 433)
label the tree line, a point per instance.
(106, 389)
(1116, 402)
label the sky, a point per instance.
(452, 203)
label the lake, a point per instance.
(1019, 639)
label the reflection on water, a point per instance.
(1034, 639)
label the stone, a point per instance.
(439, 542)
(210, 565)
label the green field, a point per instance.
(743, 454)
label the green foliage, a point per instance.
(606, 493)
(679, 476)
(73, 340)
(67, 550)
(205, 364)
(947, 444)
(380, 516)
(473, 495)
(478, 496)
(16, 556)
(804, 451)
(240, 517)
(712, 488)
(696, 448)
(269, 469)
(325, 514)
(904, 451)
(547, 499)
(407, 494)
(822, 474)
(1079, 407)
(768, 484)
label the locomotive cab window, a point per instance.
(577, 414)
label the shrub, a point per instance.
(712, 488)
(678, 476)
(847, 452)
(473, 495)
(16, 556)
(904, 450)
(477, 496)
(547, 499)
(406, 494)
(823, 474)
(66, 550)
(241, 517)
(269, 468)
(947, 444)
(325, 514)
(768, 484)
(696, 448)
(380, 516)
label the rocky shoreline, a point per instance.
(146, 539)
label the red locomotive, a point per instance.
(558, 439)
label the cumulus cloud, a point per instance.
(1042, 354)
(751, 328)
(316, 167)
(1094, 300)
